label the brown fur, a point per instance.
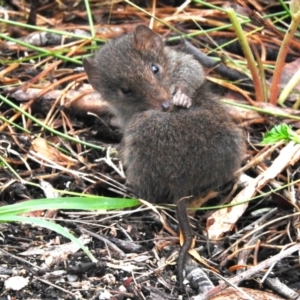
(167, 154)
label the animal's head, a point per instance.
(130, 72)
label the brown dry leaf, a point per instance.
(232, 294)
(224, 219)
(33, 214)
(40, 213)
(288, 154)
(41, 146)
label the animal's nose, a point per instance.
(165, 105)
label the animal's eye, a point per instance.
(125, 90)
(154, 68)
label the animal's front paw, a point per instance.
(182, 100)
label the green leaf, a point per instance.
(78, 203)
(9, 213)
(282, 132)
(52, 226)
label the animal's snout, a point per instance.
(165, 105)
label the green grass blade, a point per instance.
(51, 226)
(73, 203)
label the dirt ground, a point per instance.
(136, 249)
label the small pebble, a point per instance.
(15, 283)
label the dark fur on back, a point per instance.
(183, 153)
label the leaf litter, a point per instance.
(41, 73)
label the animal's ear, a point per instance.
(146, 39)
(91, 71)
